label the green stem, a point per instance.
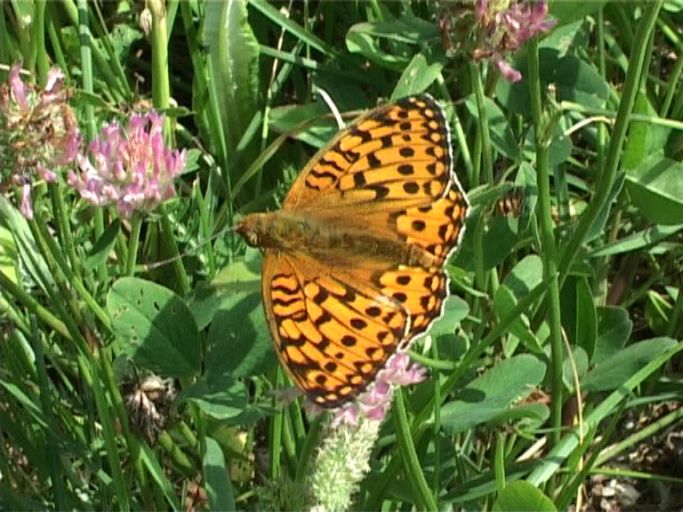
(43, 314)
(485, 165)
(548, 252)
(545, 468)
(58, 270)
(479, 273)
(172, 247)
(487, 152)
(88, 82)
(602, 264)
(675, 318)
(578, 475)
(288, 444)
(92, 51)
(4, 40)
(604, 185)
(159, 41)
(109, 381)
(38, 40)
(133, 243)
(570, 106)
(311, 442)
(9, 314)
(499, 464)
(66, 236)
(109, 435)
(205, 223)
(436, 480)
(86, 65)
(47, 404)
(185, 465)
(276, 426)
(461, 151)
(411, 463)
(62, 271)
(675, 75)
(642, 434)
(188, 436)
(161, 96)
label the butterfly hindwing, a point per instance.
(332, 335)
(435, 227)
(421, 291)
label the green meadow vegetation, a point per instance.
(137, 367)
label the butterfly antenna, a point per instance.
(145, 267)
(330, 104)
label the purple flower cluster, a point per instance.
(505, 27)
(374, 403)
(38, 133)
(492, 29)
(130, 168)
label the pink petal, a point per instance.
(481, 9)
(45, 173)
(55, 78)
(17, 86)
(26, 205)
(377, 413)
(346, 415)
(508, 72)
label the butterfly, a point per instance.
(511, 204)
(353, 261)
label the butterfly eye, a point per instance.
(252, 239)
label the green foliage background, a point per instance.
(573, 299)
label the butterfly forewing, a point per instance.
(398, 153)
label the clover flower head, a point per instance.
(38, 133)
(148, 401)
(129, 167)
(523, 21)
(500, 29)
(374, 403)
(507, 26)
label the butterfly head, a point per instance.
(251, 228)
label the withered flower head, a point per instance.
(38, 133)
(148, 401)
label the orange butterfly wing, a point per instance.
(389, 173)
(331, 333)
(336, 320)
(398, 153)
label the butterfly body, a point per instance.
(353, 262)
(332, 242)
